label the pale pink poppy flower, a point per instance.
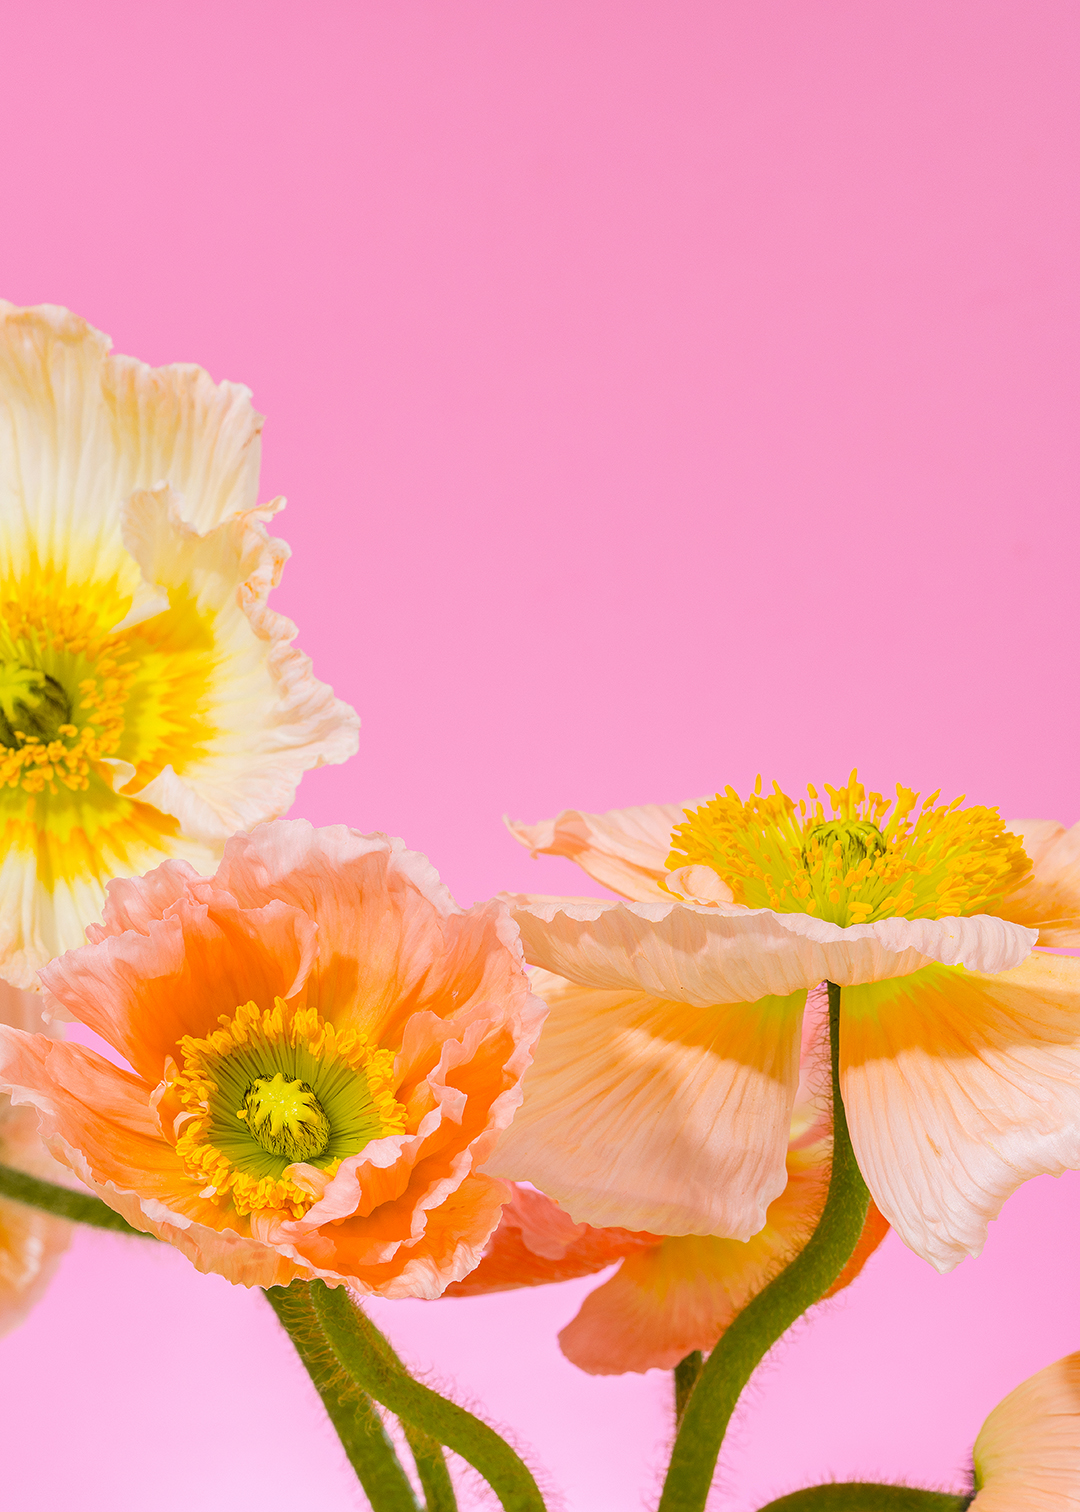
(1027, 1454)
(151, 703)
(663, 1087)
(323, 1048)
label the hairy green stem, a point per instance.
(431, 1468)
(373, 1365)
(867, 1496)
(62, 1202)
(756, 1329)
(358, 1425)
(686, 1378)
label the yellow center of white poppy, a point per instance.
(77, 692)
(859, 863)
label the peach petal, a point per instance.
(1027, 1454)
(727, 955)
(624, 849)
(1049, 899)
(959, 1086)
(537, 1243)
(143, 992)
(657, 1115)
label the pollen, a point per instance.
(870, 858)
(272, 1089)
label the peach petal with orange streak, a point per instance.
(960, 1086)
(624, 849)
(1049, 898)
(657, 1116)
(537, 1243)
(206, 957)
(1027, 1454)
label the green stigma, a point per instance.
(286, 1118)
(31, 703)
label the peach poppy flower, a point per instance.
(150, 702)
(31, 1242)
(323, 1049)
(670, 1296)
(663, 1087)
(1027, 1454)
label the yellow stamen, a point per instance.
(859, 864)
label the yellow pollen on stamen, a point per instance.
(861, 862)
(270, 1089)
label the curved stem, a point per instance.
(373, 1365)
(759, 1325)
(431, 1468)
(358, 1425)
(867, 1496)
(62, 1202)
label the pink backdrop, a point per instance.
(664, 391)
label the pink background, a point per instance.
(664, 392)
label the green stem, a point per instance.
(373, 1365)
(431, 1468)
(686, 1378)
(867, 1496)
(772, 1311)
(62, 1202)
(358, 1425)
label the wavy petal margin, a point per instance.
(960, 1086)
(1049, 899)
(624, 849)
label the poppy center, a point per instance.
(286, 1118)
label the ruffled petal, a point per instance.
(624, 849)
(666, 1301)
(729, 955)
(80, 431)
(1049, 900)
(1027, 1454)
(657, 1115)
(264, 719)
(537, 1243)
(207, 957)
(959, 1086)
(53, 883)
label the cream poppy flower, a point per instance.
(1027, 1455)
(663, 1086)
(151, 704)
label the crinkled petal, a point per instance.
(657, 1115)
(624, 849)
(959, 1086)
(1027, 1454)
(80, 431)
(264, 719)
(207, 957)
(664, 1302)
(728, 955)
(537, 1243)
(53, 884)
(1049, 899)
